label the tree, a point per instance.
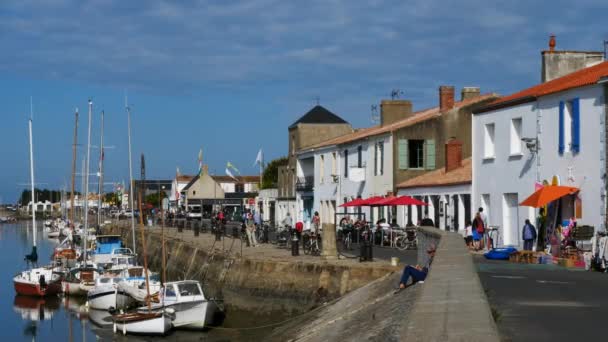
(270, 177)
(155, 199)
(112, 198)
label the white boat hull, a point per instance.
(154, 326)
(193, 315)
(109, 297)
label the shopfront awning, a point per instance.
(547, 194)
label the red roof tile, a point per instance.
(461, 175)
(417, 117)
(576, 79)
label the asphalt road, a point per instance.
(545, 302)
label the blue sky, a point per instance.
(230, 76)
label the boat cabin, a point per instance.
(183, 291)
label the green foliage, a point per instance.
(155, 199)
(270, 177)
(112, 198)
(41, 196)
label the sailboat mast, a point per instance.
(132, 194)
(32, 180)
(86, 184)
(101, 157)
(73, 169)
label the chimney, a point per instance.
(394, 110)
(453, 155)
(446, 98)
(556, 63)
(469, 93)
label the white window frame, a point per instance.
(515, 137)
(489, 137)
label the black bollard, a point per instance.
(204, 228)
(180, 226)
(295, 246)
(218, 233)
(197, 227)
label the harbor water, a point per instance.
(67, 319)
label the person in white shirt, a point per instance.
(467, 234)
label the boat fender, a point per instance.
(170, 311)
(114, 328)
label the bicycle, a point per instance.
(407, 240)
(311, 244)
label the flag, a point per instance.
(200, 162)
(177, 171)
(229, 165)
(259, 159)
(230, 173)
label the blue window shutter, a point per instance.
(402, 151)
(576, 125)
(375, 159)
(561, 127)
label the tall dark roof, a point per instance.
(319, 115)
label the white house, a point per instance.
(339, 170)
(553, 132)
(176, 198)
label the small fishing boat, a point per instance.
(79, 281)
(38, 282)
(192, 309)
(144, 323)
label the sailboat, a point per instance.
(40, 281)
(148, 321)
(81, 279)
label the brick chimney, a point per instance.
(394, 110)
(453, 155)
(469, 93)
(446, 98)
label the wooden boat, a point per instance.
(145, 323)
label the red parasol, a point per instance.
(403, 200)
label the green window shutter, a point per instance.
(430, 154)
(402, 151)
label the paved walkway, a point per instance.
(545, 302)
(268, 251)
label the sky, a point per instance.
(230, 76)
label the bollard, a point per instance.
(218, 233)
(366, 251)
(204, 228)
(180, 226)
(295, 246)
(197, 228)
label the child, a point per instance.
(468, 234)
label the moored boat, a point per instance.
(145, 323)
(38, 282)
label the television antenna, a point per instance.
(396, 93)
(375, 115)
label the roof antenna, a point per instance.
(318, 99)
(31, 107)
(396, 93)
(375, 115)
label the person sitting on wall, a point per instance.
(417, 273)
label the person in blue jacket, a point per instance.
(528, 235)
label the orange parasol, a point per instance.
(547, 194)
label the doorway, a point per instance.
(510, 219)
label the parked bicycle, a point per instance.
(311, 243)
(407, 240)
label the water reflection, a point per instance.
(34, 308)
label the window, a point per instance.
(516, 136)
(239, 187)
(321, 168)
(333, 164)
(360, 156)
(379, 159)
(488, 141)
(415, 154)
(345, 163)
(569, 126)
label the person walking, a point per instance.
(541, 225)
(528, 235)
(250, 229)
(482, 232)
(478, 230)
(316, 223)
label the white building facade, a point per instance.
(330, 175)
(565, 131)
